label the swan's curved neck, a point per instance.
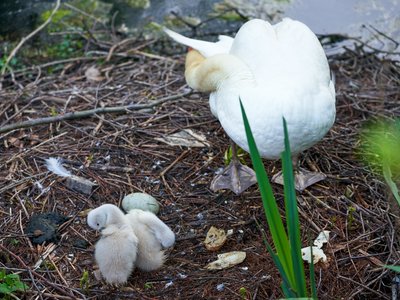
(207, 74)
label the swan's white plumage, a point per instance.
(206, 49)
(291, 79)
(116, 251)
(153, 236)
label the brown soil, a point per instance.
(120, 153)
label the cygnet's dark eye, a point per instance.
(98, 224)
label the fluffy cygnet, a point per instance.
(153, 236)
(116, 251)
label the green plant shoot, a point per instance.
(287, 241)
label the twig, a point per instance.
(24, 39)
(102, 167)
(115, 46)
(88, 113)
(25, 266)
(174, 162)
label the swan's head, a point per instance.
(107, 214)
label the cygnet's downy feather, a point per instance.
(153, 236)
(54, 165)
(116, 251)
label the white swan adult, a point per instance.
(116, 250)
(277, 71)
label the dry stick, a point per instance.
(25, 266)
(24, 39)
(169, 168)
(88, 113)
(101, 167)
(115, 46)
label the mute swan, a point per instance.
(116, 251)
(153, 236)
(277, 71)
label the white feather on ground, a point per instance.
(153, 236)
(54, 165)
(116, 251)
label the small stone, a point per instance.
(80, 184)
(141, 201)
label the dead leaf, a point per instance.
(93, 74)
(372, 259)
(16, 142)
(215, 239)
(227, 260)
(185, 137)
(37, 232)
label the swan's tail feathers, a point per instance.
(150, 261)
(54, 165)
(206, 49)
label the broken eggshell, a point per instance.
(227, 260)
(215, 239)
(141, 201)
(322, 238)
(318, 254)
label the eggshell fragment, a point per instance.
(215, 239)
(318, 254)
(227, 260)
(322, 238)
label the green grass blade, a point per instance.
(394, 268)
(292, 217)
(285, 286)
(271, 210)
(312, 277)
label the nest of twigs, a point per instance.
(120, 152)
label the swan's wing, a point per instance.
(206, 49)
(162, 232)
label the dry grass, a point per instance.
(120, 153)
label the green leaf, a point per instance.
(4, 289)
(312, 277)
(292, 217)
(287, 292)
(394, 268)
(271, 210)
(2, 274)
